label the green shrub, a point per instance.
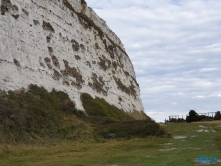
(38, 115)
(217, 116)
(100, 108)
(111, 122)
(130, 129)
(193, 117)
(35, 113)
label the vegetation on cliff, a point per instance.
(38, 115)
(112, 122)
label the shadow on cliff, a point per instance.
(38, 116)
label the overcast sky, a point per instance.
(175, 47)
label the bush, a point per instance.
(111, 122)
(130, 129)
(36, 114)
(192, 116)
(100, 108)
(25, 115)
(177, 120)
(217, 116)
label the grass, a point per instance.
(36, 115)
(77, 153)
(133, 152)
(111, 122)
(44, 128)
(218, 136)
(100, 108)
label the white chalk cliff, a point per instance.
(63, 44)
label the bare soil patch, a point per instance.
(180, 137)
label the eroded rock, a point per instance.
(64, 45)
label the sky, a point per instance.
(175, 47)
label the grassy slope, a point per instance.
(100, 108)
(134, 152)
(111, 122)
(38, 116)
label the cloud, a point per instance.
(175, 48)
(199, 97)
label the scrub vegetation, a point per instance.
(38, 116)
(194, 117)
(111, 122)
(188, 143)
(38, 127)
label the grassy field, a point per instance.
(190, 141)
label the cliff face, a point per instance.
(64, 45)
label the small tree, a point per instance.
(192, 113)
(217, 116)
(192, 116)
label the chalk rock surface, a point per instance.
(63, 44)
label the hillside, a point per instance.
(38, 116)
